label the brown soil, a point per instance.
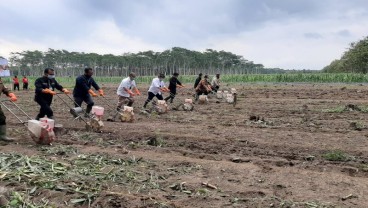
(268, 151)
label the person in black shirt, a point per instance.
(82, 91)
(44, 93)
(199, 78)
(174, 82)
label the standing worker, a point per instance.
(174, 82)
(215, 82)
(44, 93)
(13, 98)
(157, 86)
(82, 91)
(25, 83)
(15, 83)
(125, 93)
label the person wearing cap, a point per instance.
(199, 78)
(203, 87)
(174, 83)
(215, 82)
(83, 90)
(125, 94)
(156, 89)
(44, 93)
(13, 98)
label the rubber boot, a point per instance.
(3, 136)
(88, 111)
(145, 104)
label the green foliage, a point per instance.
(240, 78)
(355, 59)
(336, 155)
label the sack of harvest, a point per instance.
(219, 95)
(233, 90)
(230, 98)
(203, 99)
(188, 105)
(95, 124)
(162, 107)
(41, 132)
(127, 115)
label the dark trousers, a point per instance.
(25, 86)
(87, 99)
(215, 89)
(45, 109)
(2, 117)
(151, 96)
(171, 96)
(16, 86)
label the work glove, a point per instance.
(164, 89)
(66, 91)
(93, 94)
(130, 93)
(137, 91)
(101, 92)
(48, 91)
(12, 97)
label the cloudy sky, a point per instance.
(289, 34)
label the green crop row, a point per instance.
(247, 78)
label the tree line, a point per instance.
(146, 63)
(354, 60)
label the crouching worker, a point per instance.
(44, 93)
(156, 89)
(82, 91)
(203, 88)
(125, 93)
(13, 98)
(174, 83)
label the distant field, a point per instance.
(248, 78)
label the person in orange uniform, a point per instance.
(25, 83)
(15, 83)
(13, 98)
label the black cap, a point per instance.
(161, 76)
(176, 74)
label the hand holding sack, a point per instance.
(93, 94)
(12, 97)
(48, 91)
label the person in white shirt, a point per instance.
(215, 82)
(125, 94)
(156, 89)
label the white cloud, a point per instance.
(104, 38)
(284, 33)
